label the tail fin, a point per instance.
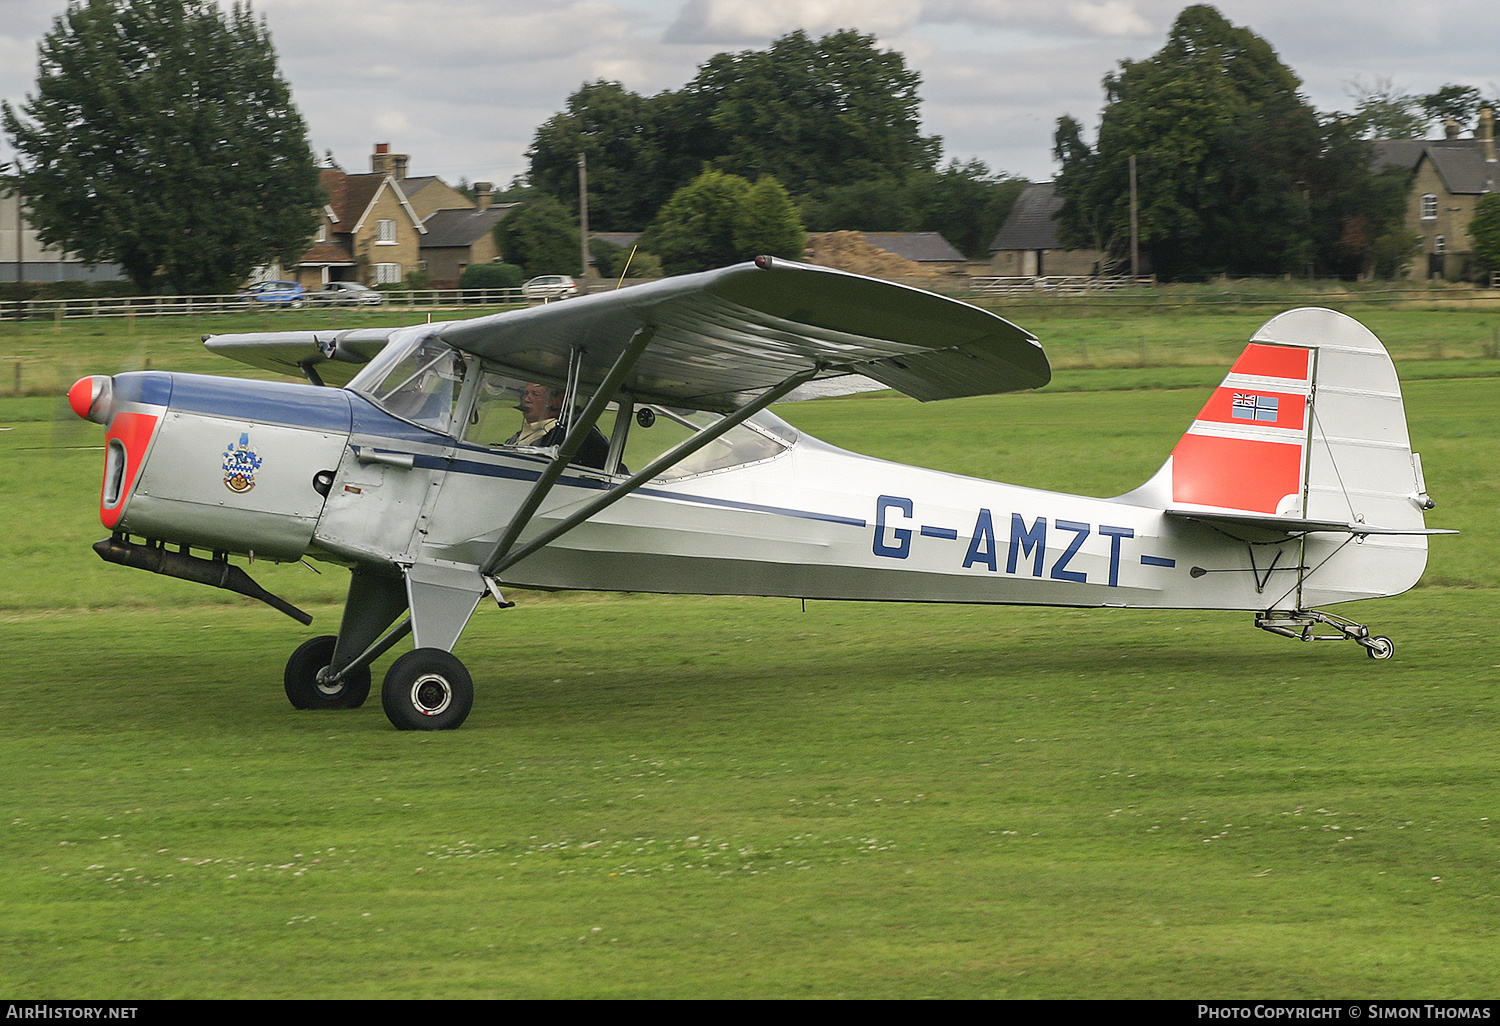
(1308, 426)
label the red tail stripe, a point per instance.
(1235, 473)
(1274, 362)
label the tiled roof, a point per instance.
(1460, 162)
(1032, 221)
(923, 247)
(328, 253)
(1464, 171)
(462, 227)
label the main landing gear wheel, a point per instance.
(305, 690)
(1379, 647)
(427, 689)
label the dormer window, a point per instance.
(1429, 207)
(322, 233)
(385, 233)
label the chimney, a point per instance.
(482, 194)
(399, 160)
(1486, 135)
(1450, 129)
(380, 160)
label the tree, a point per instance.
(695, 229)
(813, 113)
(616, 130)
(1237, 173)
(1484, 229)
(1461, 103)
(617, 261)
(1380, 112)
(767, 223)
(836, 109)
(162, 137)
(964, 202)
(540, 236)
(719, 219)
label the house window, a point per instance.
(1429, 207)
(387, 274)
(322, 233)
(385, 233)
(1439, 245)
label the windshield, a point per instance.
(418, 381)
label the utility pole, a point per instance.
(1135, 252)
(20, 246)
(583, 217)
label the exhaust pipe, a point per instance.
(216, 573)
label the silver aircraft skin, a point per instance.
(405, 459)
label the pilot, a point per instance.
(540, 407)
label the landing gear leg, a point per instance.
(321, 674)
(1303, 625)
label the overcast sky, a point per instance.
(461, 85)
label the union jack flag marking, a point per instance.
(1249, 406)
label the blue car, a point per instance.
(276, 293)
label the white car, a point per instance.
(550, 286)
(347, 293)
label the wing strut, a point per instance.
(577, 432)
(500, 559)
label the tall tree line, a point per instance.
(834, 121)
(1237, 172)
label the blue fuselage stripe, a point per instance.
(264, 402)
(461, 466)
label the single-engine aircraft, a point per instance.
(622, 441)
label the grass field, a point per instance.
(683, 797)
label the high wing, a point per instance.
(722, 337)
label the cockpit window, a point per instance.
(660, 428)
(421, 379)
(421, 386)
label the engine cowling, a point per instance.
(224, 464)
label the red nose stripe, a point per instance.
(134, 432)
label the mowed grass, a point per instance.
(687, 797)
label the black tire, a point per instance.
(1380, 647)
(427, 689)
(303, 689)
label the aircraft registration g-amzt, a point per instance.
(622, 441)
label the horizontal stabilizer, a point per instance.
(1292, 525)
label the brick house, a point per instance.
(385, 226)
(370, 232)
(1447, 178)
(459, 236)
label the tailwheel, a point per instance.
(427, 689)
(307, 683)
(1305, 625)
